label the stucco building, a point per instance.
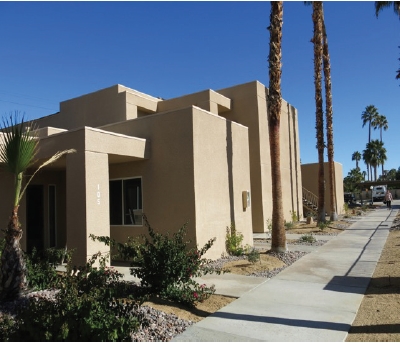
(191, 159)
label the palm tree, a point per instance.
(17, 153)
(317, 17)
(380, 122)
(356, 157)
(379, 6)
(368, 116)
(366, 155)
(278, 243)
(375, 153)
(329, 120)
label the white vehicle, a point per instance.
(378, 193)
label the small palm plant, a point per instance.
(18, 148)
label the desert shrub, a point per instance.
(288, 225)
(8, 327)
(269, 225)
(253, 255)
(295, 217)
(308, 238)
(233, 241)
(187, 293)
(323, 225)
(166, 264)
(41, 267)
(86, 308)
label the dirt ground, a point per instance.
(378, 318)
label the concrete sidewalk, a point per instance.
(315, 299)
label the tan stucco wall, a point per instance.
(196, 154)
(249, 107)
(186, 179)
(310, 182)
(110, 105)
(221, 163)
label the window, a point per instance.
(126, 202)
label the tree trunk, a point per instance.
(13, 269)
(317, 40)
(278, 243)
(329, 124)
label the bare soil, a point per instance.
(378, 318)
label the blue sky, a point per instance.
(54, 51)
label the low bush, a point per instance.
(323, 225)
(295, 216)
(288, 225)
(41, 267)
(253, 255)
(233, 241)
(85, 308)
(166, 264)
(308, 238)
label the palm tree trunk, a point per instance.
(317, 40)
(274, 110)
(13, 269)
(329, 123)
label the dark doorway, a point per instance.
(34, 217)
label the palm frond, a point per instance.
(19, 145)
(51, 160)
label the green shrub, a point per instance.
(41, 267)
(309, 238)
(288, 225)
(166, 265)
(253, 255)
(86, 308)
(295, 217)
(269, 225)
(8, 327)
(233, 241)
(323, 225)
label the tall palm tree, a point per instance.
(380, 122)
(375, 152)
(317, 17)
(17, 153)
(274, 113)
(329, 120)
(356, 157)
(368, 116)
(367, 160)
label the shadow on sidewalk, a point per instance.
(284, 321)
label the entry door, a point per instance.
(35, 217)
